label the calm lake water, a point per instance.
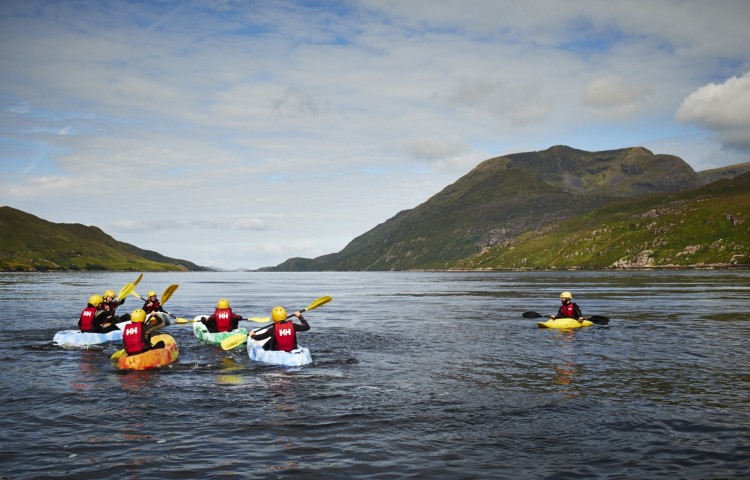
(415, 375)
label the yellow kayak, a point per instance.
(156, 358)
(564, 323)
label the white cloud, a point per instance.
(284, 117)
(722, 108)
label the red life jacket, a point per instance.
(87, 319)
(111, 306)
(285, 336)
(153, 308)
(223, 319)
(568, 310)
(133, 338)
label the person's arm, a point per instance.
(304, 326)
(100, 317)
(577, 313)
(559, 314)
(153, 324)
(262, 335)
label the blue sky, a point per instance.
(239, 134)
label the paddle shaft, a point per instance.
(597, 319)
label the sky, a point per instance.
(238, 134)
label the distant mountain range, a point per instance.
(558, 208)
(563, 208)
(29, 243)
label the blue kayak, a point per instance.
(296, 358)
(79, 339)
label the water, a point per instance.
(415, 375)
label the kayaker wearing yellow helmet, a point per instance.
(110, 305)
(94, 316)
(223, 318)
(152, 304)
(136, 335)
(283, 333)
(568, 309)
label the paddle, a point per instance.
(164, 297)
(597, 319)
(237, 340)
(118, 354)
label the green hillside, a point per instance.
(702, 227)
(501, 199)
(31, 243)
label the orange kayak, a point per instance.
(155, 358)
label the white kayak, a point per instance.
(79, 339)
(296, 358)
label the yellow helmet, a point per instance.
(151, 293)
(138, 315)
(109, 293)
(567, 295)
(278, 314)
(95, 300)
(223, 303)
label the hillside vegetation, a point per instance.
(704, 227)
(29, 243)
(501, 199)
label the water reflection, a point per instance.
(566, 370)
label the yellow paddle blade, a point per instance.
(135, 294)
(259, 319)
(319, 302)
(182, 320)
(234, 341)
(137, 280)
(118, 354)
(125, 291)
(168, 293)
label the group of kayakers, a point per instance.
(99, 316)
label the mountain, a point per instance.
(31, 243)
(499, 200)
(708, 176)
(708, 226)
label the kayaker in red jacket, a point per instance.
(110, 305)
(136, 335)
(94, 317)
(568, 309)
(283, 332)
(223, 318)
(152, 304)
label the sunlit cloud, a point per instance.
(722, 108)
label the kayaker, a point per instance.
(568, 309)
(152, 304)
(223, 318)
(94, 317)
(136, 336)
(110, 305)
(283, 334)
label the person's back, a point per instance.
(283, 335)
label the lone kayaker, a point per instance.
(568, 309)
(136, 335)
(283, 333)
(223, 318)
(94, 317)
